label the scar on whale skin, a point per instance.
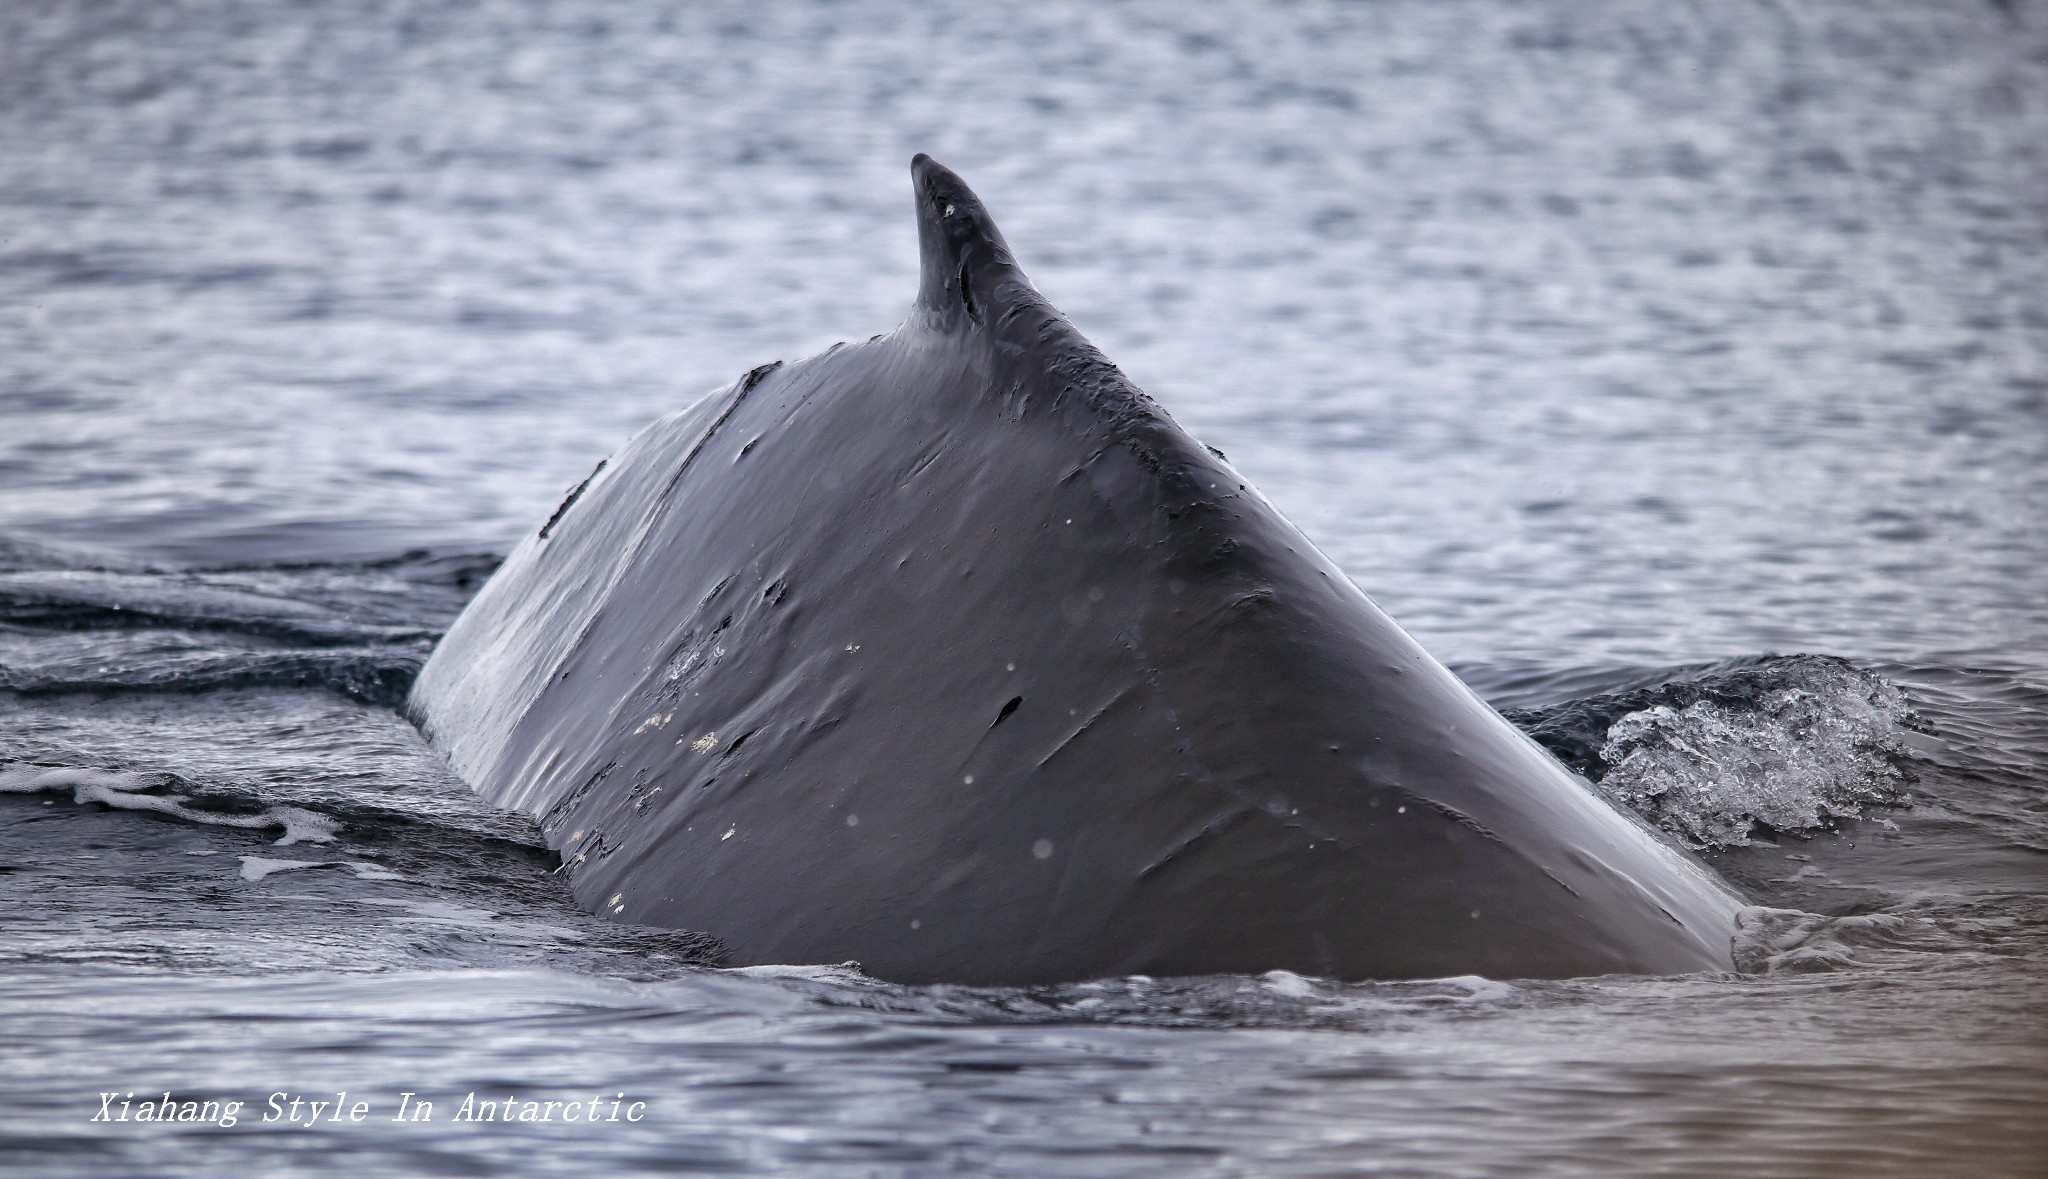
(1099, 708)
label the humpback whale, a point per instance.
(951, 654)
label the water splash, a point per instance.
(1791, 744)
(1818, 750)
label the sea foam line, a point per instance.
(122, 790)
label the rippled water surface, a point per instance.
(1677, 373)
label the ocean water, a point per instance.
(1678, 373)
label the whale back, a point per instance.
(951, 654)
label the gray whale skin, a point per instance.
(951, 654)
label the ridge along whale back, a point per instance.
(951, 654)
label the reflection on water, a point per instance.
(1610, 349)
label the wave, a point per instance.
(372, 675)
(96, 599)
(1792, 941)
(362, 629)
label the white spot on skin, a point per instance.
(617, 899)
(969, 779)
(706, 743)
(729, 833)
(1475, 914)
(1400, 810)
(1009, 667)
(1042, 850)
(915, 923)
(853, 820)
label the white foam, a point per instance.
(122, 791)
(258, 867)
(302, 826)
(1480, 989)
(1288, 983)
(371, 871)
(1800, 758)
(35, 779)
(844, 972)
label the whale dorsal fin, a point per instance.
(965, 261)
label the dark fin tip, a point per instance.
(963, 255)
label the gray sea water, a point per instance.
(1678, 373)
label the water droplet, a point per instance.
(853, 820)
(1042, 850)
(969, 779)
